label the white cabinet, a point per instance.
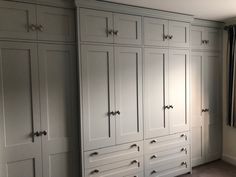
(112, 105)
(205, 38)
(205, 114)
(166, 33)
(107, 27)
(165, 91)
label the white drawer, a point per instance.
(141, 174)
(118, 169)
(166, 157)
(163, 143)
(171, 169)
(112, 154)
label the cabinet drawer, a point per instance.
(112, 154)
(167, 156)
(118, 169)
(170, 169)
(162, 143)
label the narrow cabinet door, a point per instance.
(155, 32)
(197, 37)
(57, 68)
(213, 37)
(196, 109)
(177, 69)
(156, 119)
(20, 145)
(179, 34)
(17, 20)
(55, 24)
(128, 88)
(96, 26)
(127, 29)
(98, 96)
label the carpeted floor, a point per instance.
(214, 169)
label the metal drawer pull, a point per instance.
(112, 113)
(116, 32)
(153, 157)
(153, 172)
(93, 154)
(166, 107)
(184, 163)
(184, 149)
(183, 135)
(153, 141)
(171, 106)
(94, 171)
(133, 146)
(117, 112)
(134, 162)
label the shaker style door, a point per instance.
(213, 38)
(198, 37)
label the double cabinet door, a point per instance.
(37, 109)
(205, 112)
(205, 38)
(165, 75)
(108, 27)
(111, 95)
(160, 32)
(34, 22)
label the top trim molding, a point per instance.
(208, 23)
(133, 10)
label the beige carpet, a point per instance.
(214, 169)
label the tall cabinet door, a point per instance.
(156, 119)
(57, 68)
(128, 88)
(212, 35)
(98, 96)
(211, 92)
(20, 148)
(196, 101)
(197, 37)
(177, 74)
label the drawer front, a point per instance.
(112, 154)
(174, 168)
(163, 143)
(118, 169)
(141, 174)
(166, 157)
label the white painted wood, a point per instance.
(58, 24)
(19, 108)
(98, 96)
(213, 35)
(180, 32)
(128, 89)
(197, 116)
(197, 37)
(94, 26)
(136, 175)
(16, 19)
(177, 67)
(155, 31)
(156, 118)
(57, 68)
(57, 3)
(128, 28)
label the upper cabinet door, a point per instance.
(156, 119)
(155, 32)
(197, 37)
(179, 34)
(55, 24)
(96, 26)
(128, 87)
(98, 96)
(127, 29)
(177, 67)
(213, 38)
(17, 20)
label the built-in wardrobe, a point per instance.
(38, 89)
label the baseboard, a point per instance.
(229, 159)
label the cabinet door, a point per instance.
(57, 68)
(16, 20)
(127, 29)
(128, 87)
(57, 24)
(98, 96)
(197, 36)
(156, 119)
(213, 35)
(180, 34)
(177, 69)
(95, 26)
(197, 116)
(155, 31)
(211, 101)
(20, 148)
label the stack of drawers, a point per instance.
(119, 161)
(167, 156)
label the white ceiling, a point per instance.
(219, 10)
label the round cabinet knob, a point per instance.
(44, 133)
(116, 32)
(112, 113)
(110, 32)
(165, 37)
(41, 28)
(118, 112)
(171, 106)
(32, 27)
(37, 134)
(170, 37)
(166, 107)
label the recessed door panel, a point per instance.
(213, 36)
(197, 37)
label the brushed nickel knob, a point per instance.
(116, 32)
(44, 133)
(40, 28)
(110, 32)
(32, 27)
(37, 134)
